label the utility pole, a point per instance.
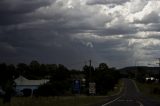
(90, 64)
(85, 63)
(92, 84)
(158, 67)
(136, 71)
(158, 61)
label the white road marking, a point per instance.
(122, 100)
(135, 85)
(111, 101)
(115, 99)
(140, 103)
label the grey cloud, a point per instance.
(12, 12)
(20, 6)
(119, 29)
(45, 32)
(112, 54)
(153, 17)
(137, 5)
(154, 27)
(44, 46)
(5, 47)
(94, 2)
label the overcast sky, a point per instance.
(70, 32)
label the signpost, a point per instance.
(92, 88)
(76, 86)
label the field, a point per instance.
(77, 100)
(54, 101)
(118, 88)
(150, 90)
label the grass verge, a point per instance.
(53, 101)
(62, 100)
(149, 90)
(117, 89)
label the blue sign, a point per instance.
(76, 85)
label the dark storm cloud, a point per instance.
(116, 31)
(21, 6)
(12, 11)
(69, 31)
(114, 51)
(48, 46)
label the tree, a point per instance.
(9, 91)
(89, 72)
(6, 81)
(13, 72)
(51, 68)
(23, 69)
(43, 72)
(6, 74)
(3, 73)
(34, 68)
(104, 77)
(60, 81)
(141, 74)
(103, 67)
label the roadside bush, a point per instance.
(156, 90)
(44, 90)
(27, 92)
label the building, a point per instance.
(24, 83)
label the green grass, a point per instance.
(62, 100)
(147, 89)
(117, 89)
(54, 101)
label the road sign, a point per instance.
(92, 88)
(76, 85)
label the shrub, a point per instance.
(156, 90)
(27, 92)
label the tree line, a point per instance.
(60, 77)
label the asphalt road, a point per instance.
(130, 97)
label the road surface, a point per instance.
(130, 97)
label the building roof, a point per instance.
(23, 81)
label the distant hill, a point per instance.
(155, 70)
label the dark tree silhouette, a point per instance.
(104, 77)
(61, 79)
